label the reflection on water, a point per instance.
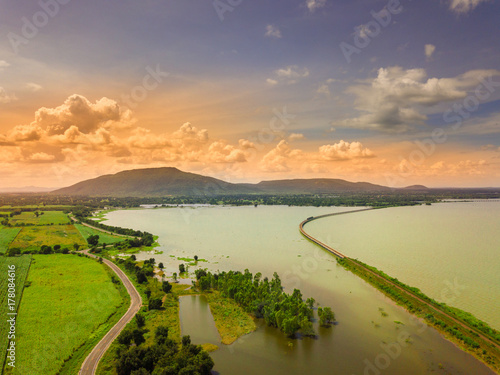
(197, 321)
(266, 239)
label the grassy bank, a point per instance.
(69, 306)
(231, 320)
(437, 315)
(22, 265)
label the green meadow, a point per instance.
(32, 238)
(7, 235)
(103, 237)
(22, 265)
(45, 218)
(69, 306)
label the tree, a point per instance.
(138, 336)
(155, 304)
(57, 248)
(204, 283)
(93, 240)
(166, 286)
(186, 341)
(326, 316)
(132, 257)
(310, 302)
(37, 213)
(141, 276)
(125, 337)
(174, 275)
(182, 268)
(161, 335)
(160, 265)
(196, 258)
(140, 320)
(45, 249)
(76, 246)
(13, 252)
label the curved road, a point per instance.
(89, 366)
(342, 256)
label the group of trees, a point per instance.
(144, 236)
(164, 357)
(266, 299)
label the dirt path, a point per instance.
(89, 366)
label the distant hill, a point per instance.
(156, 182)
(26, 189)
(317, 186)
(153, 182)
(416, 187)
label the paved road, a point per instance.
(89, 366)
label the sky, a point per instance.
(394, 92)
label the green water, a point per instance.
(266, 239)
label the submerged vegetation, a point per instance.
(266, 299)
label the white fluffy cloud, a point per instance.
(464, 6)
(278, 159)
(313, 5)
(345, 151)
(80, 112)
(396, 99)
(273, 31)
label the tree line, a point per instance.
(266, 299)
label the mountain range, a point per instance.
(155, 182)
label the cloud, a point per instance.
(41, 157)
(290, 75)
(464, 6)
(6, 98)
(3, 64)
(296, 137)
(396, 100)
(345, 151)
(429, 51)
(278, 159)
(273, 32)
(33, 87)
(80, 112)
(313, 5)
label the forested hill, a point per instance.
(156, 182)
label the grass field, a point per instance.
(68, 308)
(231, 320)
(48, 217)
(32, 238)
(103, 237)
(22, 265)
(7, 235)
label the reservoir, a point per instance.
(365, 341)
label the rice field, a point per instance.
(32, 238)
(7, 235)
(43, 218)
(69, 306)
